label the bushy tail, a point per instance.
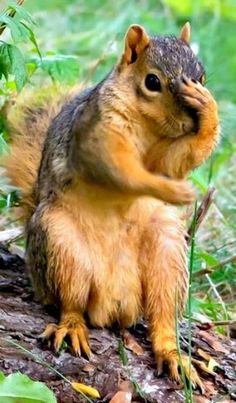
(29, 120)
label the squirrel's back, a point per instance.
(29, 120)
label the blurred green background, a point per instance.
(91, 34)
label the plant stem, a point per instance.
(177, 335)
(192, 250)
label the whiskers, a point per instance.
(169, 127)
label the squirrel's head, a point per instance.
(149, 69)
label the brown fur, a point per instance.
(28, 122)
(100, 239)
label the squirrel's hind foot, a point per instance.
(174, 363)
(73, 326)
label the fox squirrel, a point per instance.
(100, 171)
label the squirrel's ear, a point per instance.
(186, 32)
(136, 40)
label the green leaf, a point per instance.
(18, 31)
(122, 353)
(19, 388)
(32, 39)
(18, 66)
(63, 68)
(4, 147)
(31, 68)
(3, 204)
(21, 12)
(5, 63)
(210, 260)
(12, 62)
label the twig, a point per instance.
(11, 14)
(211, 322)
(10, 235)
(201, 212)
(224, 322)
(211, 269)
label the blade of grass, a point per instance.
(125, 361)
(189, 307)
(177, 335)
(44, 363)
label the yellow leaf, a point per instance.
(87, 390)
(212, 364)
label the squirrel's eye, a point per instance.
(153, 83)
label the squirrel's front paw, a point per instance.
(71, 325)
(194, 95)
(179, 192)
(174, 363)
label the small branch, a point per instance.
(10, 235)
(211, 269)
(224, 322)
(11, 14)
(201, 212)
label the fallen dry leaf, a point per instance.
(126, 386)
(212, 341)
(87, 390)
(203, 354)
(131, 343)
(121, 397)
(203, 366)
(212, 364)
(200, 399)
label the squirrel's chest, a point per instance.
(108, 245)
(115, 293)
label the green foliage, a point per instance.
(19, 388)
(62, 68)
(17, 20)
(13, 62)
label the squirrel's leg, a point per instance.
(55, 260)
(165, 281)
(177, 157)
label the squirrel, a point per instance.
(100, 172)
